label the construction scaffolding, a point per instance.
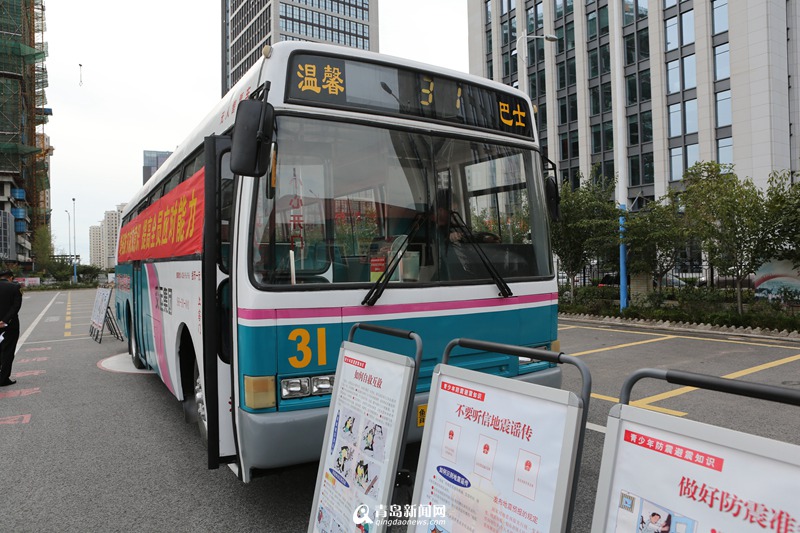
(24, 148)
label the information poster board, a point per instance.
(363, 436)
(101, 300)
(497, 454)
(662, 474)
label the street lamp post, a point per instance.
(69, 223)
(74, 244)
(522, 58)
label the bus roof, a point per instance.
(221, 118)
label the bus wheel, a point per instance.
(200, 405)
(137, 363)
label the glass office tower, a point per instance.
(644, 89)
(248, 25)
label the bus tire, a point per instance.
(200, 405)
(137, 362)
(194, 401)
(194, 409)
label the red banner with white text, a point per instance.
(171, 227)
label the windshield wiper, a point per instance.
(460, 225)
(380, 284)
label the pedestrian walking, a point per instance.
(10, 304)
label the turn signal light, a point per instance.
(259, 392)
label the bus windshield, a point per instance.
(346, 197)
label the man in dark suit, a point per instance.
(10, 303)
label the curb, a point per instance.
(687, 326)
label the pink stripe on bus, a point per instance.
(158, 326)
(273, 314)
(257, 314)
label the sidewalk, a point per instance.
(685, 326)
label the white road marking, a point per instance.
(30, 329)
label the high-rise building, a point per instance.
(24, 150)
(644, 89)
(8, 237)
(110, 233)
(248, 25)
(103, 239)
(152, 160)
(96, 253)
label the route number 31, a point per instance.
(426, 93)
(304, 348)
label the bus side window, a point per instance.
(172, 181)
(194, 165)
(226, 210)
(157, 193)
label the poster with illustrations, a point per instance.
(662, 474)
(362, 439)
(497, 454)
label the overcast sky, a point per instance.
(135, 76)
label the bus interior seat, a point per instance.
(323, 254)
(357, 268)
(508, 259)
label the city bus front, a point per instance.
(394, 217)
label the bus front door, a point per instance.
(218, 378)
(136, 325)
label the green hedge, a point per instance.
(691, 305)
(61, 286)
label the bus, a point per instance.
(332, 187)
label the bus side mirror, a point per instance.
(552, 197)
(252, 138)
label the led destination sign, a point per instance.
(363, 86)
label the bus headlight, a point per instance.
(259, 392)
(321, 385)
(295, 388)
(306, 386)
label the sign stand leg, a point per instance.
(112, 325)
(101, 316)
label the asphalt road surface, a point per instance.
(613, 352)
(87, 449)
(89, 444)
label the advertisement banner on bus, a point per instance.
(170, 227)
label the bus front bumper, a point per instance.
(281, 439)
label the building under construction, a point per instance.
(24, 147)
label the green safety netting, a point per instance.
(15, 48)
(16, 148)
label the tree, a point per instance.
(655, 237)
(42, 248)
(588, 226)
(88, 273)
(783, 208)
(60, 270)
(729, 216)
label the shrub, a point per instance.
(648, 300)
(62, 286)
(692, 305)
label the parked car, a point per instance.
(563, 279)
(668, 281)
(727, 282)
(611, 280)
(671, 281)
